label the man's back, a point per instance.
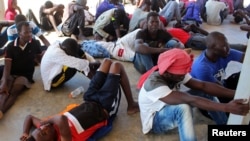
(213, 9)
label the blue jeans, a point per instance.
(219, 118)
(171, 10)
(197, 41)
(143, 62)
(172, 116)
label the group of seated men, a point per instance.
(157, 55)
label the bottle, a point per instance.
(76, 92)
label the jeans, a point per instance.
(143, 62)
(220, 118)
(197, 42)
(171, 10)
(172, 116)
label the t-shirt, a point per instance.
(106, 5)
(180, 34)
(213, 9)
(23, 63)
(124, 48)
(162, 37)
(205, 70)
(152, 90)
(13, 34)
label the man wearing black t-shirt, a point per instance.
(17, 73)
(150, 42)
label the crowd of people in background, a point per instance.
(160, 53)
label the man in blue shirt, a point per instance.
(210, 66)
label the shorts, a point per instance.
(104, 89)
(66, 74)
(18, 80)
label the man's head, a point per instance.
(146, 5)
(44, 133)
(81, 2)
(119, 14)
(174, 64)
(153, 22)
(237, 17)
(20, 18)
(48, 4)
(217, 44)
(24, 31)
(71, 47)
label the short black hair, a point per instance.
(119, 14)
(21, 24)
(152, 14)
(20, 18)
(212, 37)
(238, 19)
(48, 4)
(71, 47)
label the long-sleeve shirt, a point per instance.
(53, 61)
(103, 20)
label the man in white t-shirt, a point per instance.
(216, 12)
(163, 107)
(123, 49)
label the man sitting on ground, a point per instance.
(61, 61)
(210, 66)
(150, 42)
(164, 107)
(51, 16)
(19, 66)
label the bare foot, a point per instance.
(132, 109)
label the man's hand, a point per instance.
(238, 106)
(24, 137)
(93, 67)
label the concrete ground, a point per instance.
(38, 102)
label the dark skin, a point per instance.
(177, 97)
(153, 25)
(217, 47)
(9, 94)
(51, 12)
(80, 36)
(48, 133)
(244, 14)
